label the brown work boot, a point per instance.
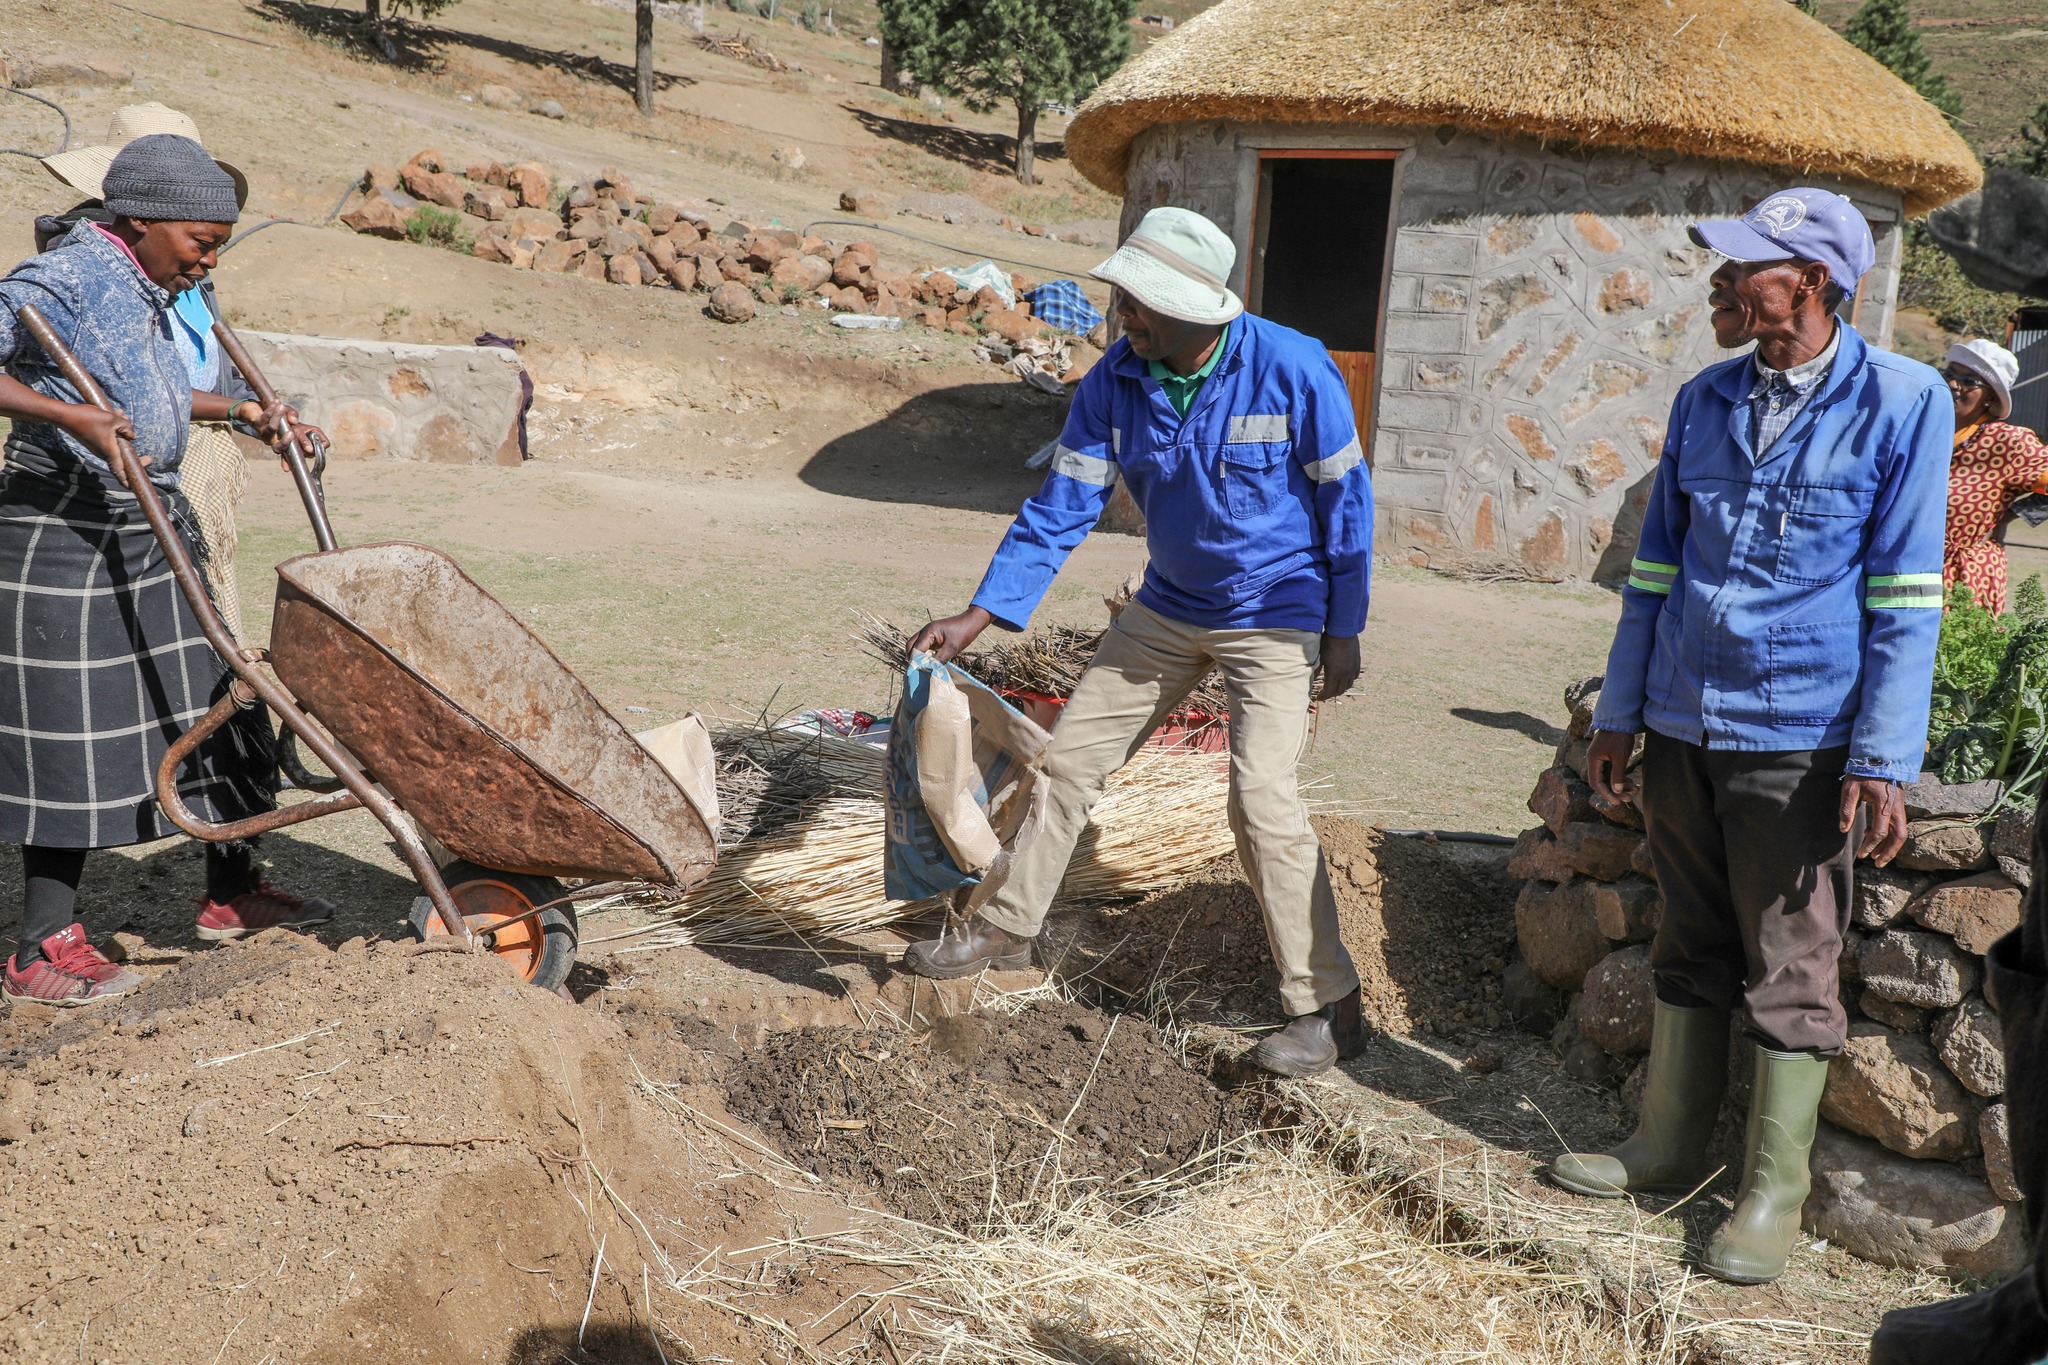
(979, 947)
(1310, 1044)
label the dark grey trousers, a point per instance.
(2018, 988)
(1756, 873)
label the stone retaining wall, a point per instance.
(1911, 1167)
(388, 400)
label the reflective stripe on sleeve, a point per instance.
(1889, 591)
(1083, 468)
(1334, 467)
(1650, 576)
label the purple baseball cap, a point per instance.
(1802, 224)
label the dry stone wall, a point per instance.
(1543, 305)
(1912, 1167)
(387, 400)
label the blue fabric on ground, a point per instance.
(1061, 304)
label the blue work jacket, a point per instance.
(1792, 602)
(1258, 505)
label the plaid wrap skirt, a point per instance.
(102, 666)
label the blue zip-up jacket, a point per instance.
(1258, 506)
(115, 320)
(1792, 602)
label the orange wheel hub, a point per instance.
(487, 903)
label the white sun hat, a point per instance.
(84, 168)
(1178, 263)
(1998, 366)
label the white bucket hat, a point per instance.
(84, 168)
(1178, 263)
(1998, 366)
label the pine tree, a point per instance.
(1884, 29)
(2031, 155)
(1024, 53)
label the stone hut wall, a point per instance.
(389, 400)
(1543, 307)
(1912, 1166)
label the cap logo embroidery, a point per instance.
(1780, 215)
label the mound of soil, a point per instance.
(279, 1151)
(1052, 1096)
(1430, 928)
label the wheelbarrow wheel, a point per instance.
(541, 949)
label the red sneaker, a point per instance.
(70, 972)
(267, 907)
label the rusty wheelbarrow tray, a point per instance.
(433, 706)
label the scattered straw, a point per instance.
(818, 870)
(1048, 661)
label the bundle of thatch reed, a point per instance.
(804, 825)
(1048, 661)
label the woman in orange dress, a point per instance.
(1995, 465)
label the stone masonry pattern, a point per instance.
(1542, 310)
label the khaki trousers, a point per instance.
(1144, 667)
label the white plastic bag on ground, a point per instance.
(987, 273)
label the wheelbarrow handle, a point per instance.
(311, 492)
(243, 664)
(128, 465)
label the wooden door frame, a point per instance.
(1255, 261)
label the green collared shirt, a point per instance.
(1182, 388)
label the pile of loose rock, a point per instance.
(1912, 1166)
(603, 230)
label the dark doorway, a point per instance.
(1319, 256)
(2029, 341)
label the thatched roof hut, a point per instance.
(1479, 206)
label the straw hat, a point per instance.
(1998, 366)
(83, 168)
(1178, 263)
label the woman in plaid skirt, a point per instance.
(102, 661)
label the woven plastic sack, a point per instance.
(966, 787)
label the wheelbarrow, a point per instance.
(494, 769)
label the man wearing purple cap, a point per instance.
(1773, 660)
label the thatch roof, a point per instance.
(1753, 81)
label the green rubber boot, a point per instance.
(1754, 1244)
(1688, 1073)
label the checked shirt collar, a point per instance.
(1778, 396)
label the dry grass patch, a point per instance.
(1270, 1254)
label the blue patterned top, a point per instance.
(116, 321)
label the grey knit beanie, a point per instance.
(169, 179)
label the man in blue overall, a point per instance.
(1774, 657)
(1236, 439)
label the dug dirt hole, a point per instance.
(985, 1116)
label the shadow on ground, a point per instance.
(597, 1344)
(963, 146)
(156, 897)
(961, 447)
(412, 45)
(1521, 722)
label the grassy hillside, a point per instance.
(1994, 53)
